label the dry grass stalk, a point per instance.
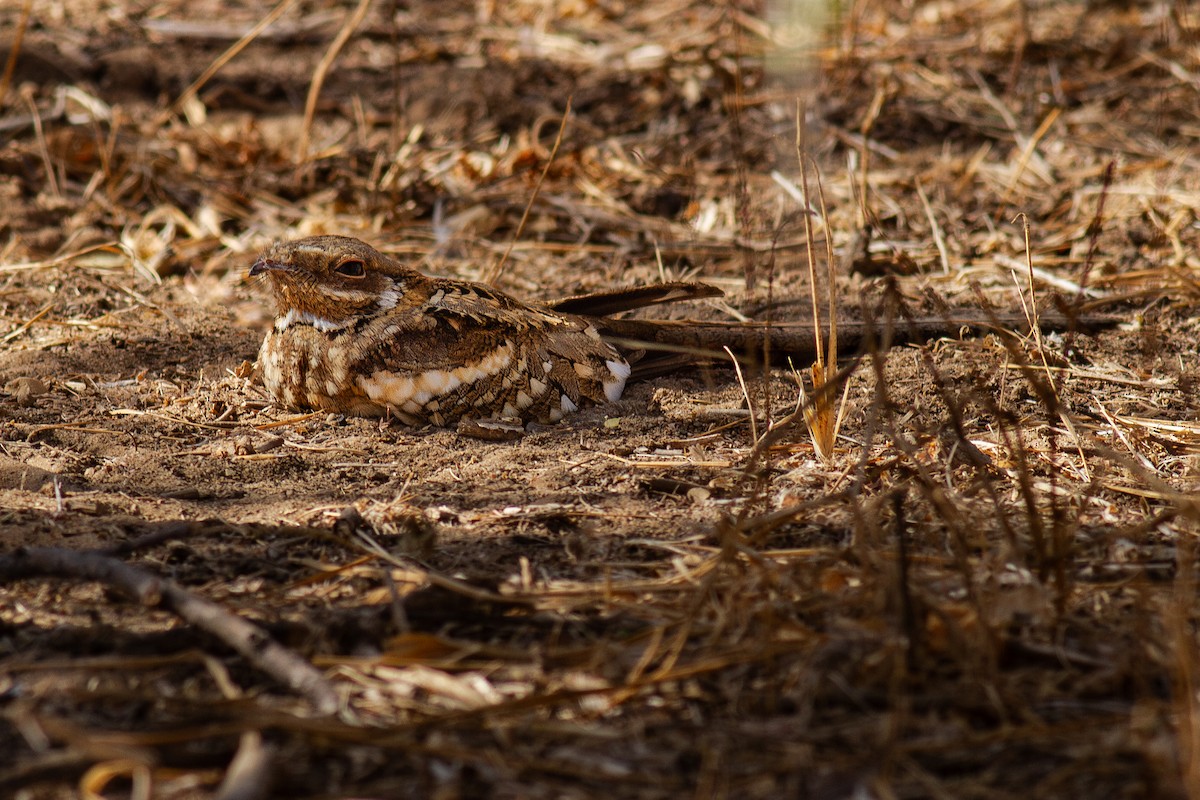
(934, 228)
(47, 161)
(95, 781)
(820, 416)
(14, 50)
(1031, 308)
(353, 20)
(495, 271)
(737, 366)
(187, 96)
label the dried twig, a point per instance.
(493, 274)
(10, 63)
(248, 640)
(318, 79)
(221, 60)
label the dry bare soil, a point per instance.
(989, 589)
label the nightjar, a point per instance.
(357, 332)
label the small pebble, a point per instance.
(25, 390)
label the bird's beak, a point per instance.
(265, 265)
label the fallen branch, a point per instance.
(250, 641)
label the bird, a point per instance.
(358, 333)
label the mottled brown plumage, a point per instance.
(359, 333)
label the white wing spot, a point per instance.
(620, 372)
(619, 369)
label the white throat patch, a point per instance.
(294, 317)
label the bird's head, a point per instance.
(328, 281)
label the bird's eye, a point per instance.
(351, 269)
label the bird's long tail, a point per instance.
(664, 345)
(778, 342)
